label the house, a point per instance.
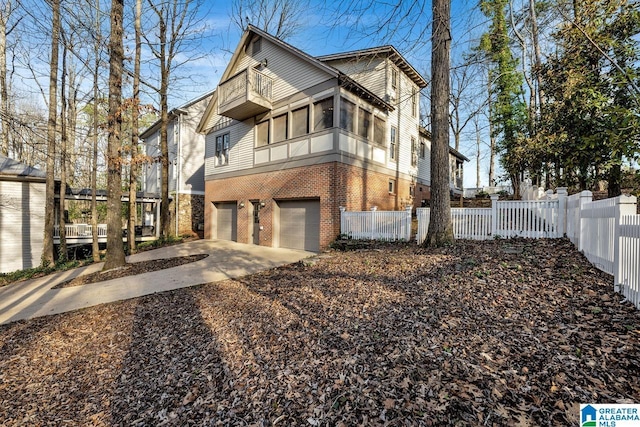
(22, 209)
(291, 138)
(186, 166)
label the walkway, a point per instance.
(35, 298)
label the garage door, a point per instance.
(300, 224)
(227, 221)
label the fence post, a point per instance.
(342, 224)
(408, 209)
(562, 211)
(374, 222)
(625, 205)
(494, 213)
(585, 197)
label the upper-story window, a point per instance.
(300, 122)
(414, 152)
(256, 46)
(414, 103)
(423, 149)
(394, 79)
(323, 114)
(379, 127)
(364, 122)
(393, 143)
(280, 128)
(222, 149)
(262, 133)
(347, 115)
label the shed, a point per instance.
(22, 209)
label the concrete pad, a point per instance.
(35, 298)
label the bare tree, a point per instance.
(135, 111)
(440, 227)
(7, 8)
(95, 247)
(64, 142)
(177, 25)
(115, 250)
(282, 18)
(47, 243)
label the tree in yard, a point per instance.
(7, 8)
(135, 113)
(47, 243)
(115, 250)
(440, 227)
(508, 111)
(177, 26)
(282, 18)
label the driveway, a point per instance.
(35, 298)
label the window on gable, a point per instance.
(347, 115)
(300, 122)
(394, 79)
(378, 130)
(414, 152)
(364, 122)
(262, 133)
(323, 114)
(280, 128)
(222, 149)
(256, 46)
(393, 143)
(414, 103)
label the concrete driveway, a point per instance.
(35, 298)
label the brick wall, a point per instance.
(334, 184)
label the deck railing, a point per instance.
(80, 230)
(246, 82)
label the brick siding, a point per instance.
(333, 184)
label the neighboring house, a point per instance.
(291, 138)
(22, 208)
(186, 167)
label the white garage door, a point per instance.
(227, 221)
(300, 224)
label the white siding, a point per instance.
(369, 72)
(22, 206)
(152, 170)
(424, 165)
(241, 142)
(407, 124)
(192, 149)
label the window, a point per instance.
(414, 103)
(347, 115)
(364, 122)
(392, 186)
(412, 191)
(423, 149)
(256, 46)
(280, 128)
(262, 133)
(394, 78)
(222, 149)
(393, 143)
(300, 122)
(378, 130)
(414, 152)
(323, 114)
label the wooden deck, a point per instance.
(81, 234)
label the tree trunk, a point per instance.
(62, 248)
(135, 112)
(95, 247)
(47, 243)
(115, 249)
(440, 228)
(164, 121)
(615, 177)
(4, 119)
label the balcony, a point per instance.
(245, 95)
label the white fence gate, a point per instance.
(376, 225)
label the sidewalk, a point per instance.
(35, 298)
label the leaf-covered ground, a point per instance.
(497, 333)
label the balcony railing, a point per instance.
(246, 94)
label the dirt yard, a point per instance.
(507, 332)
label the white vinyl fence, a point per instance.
(376, 225)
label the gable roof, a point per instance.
(174, 113)
(426, 134)
(387, 51)
(343, 79)
(13, 168)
